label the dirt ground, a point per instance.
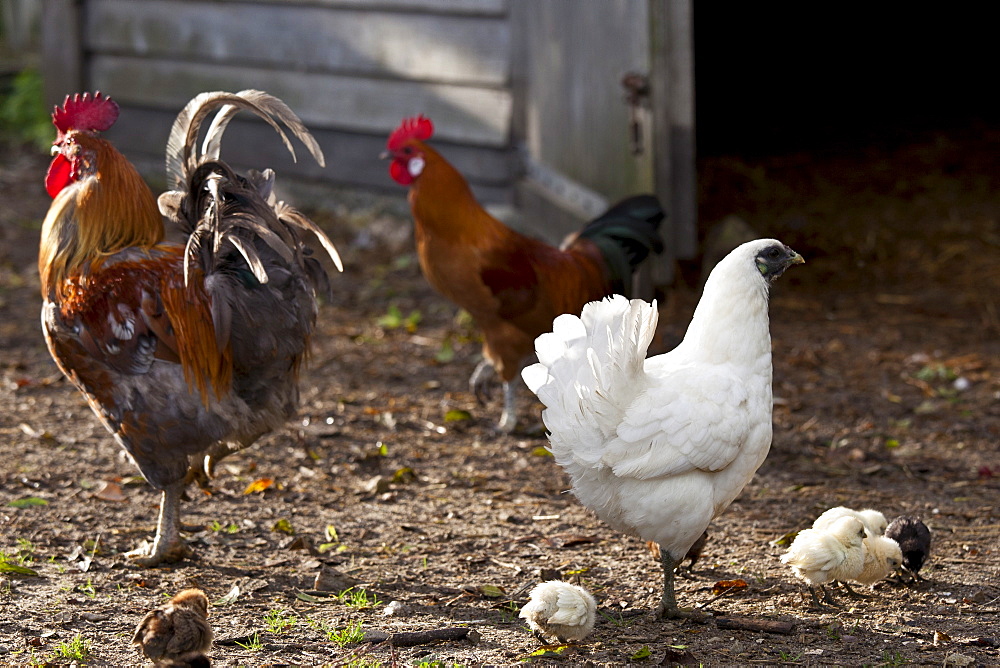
(887, 386)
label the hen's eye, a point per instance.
(773, 254)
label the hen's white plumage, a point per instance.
(658, 447)
(874, 521)
(566, 611)
(820, 556)
(882, 557)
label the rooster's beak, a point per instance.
(384, 155)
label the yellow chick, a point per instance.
(883, 557)
(820, 556)
(874, 521)
(566, 611)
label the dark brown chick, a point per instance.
(914, 540)
(177, 633)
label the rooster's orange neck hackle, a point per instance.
(101, 205)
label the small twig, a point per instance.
(749, 624)
(413, 638)
(725, 592)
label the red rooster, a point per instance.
(185, 352)
(512, 285)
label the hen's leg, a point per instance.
(479, 381)
(668, 603)
(167, 546)
(508, 418)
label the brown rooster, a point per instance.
(185, 352)
(511, 284)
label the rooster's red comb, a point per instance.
(83, 112)
(418, 127)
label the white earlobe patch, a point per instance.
(415, 166)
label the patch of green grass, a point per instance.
(253, 643)
(394, 319)
(508, 612)
(890, 658)
(77, 648)
(351, 633)
(23, 114)
(229, 528)
(357, 598)
(88, 589)
(279, 620)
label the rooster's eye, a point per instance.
(408, 150)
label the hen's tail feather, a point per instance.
(626, 234)
(590, 368)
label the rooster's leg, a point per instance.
(479, 381)
(508, 418)
(167, 546)
(668, 603)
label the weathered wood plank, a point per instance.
(672, 93)
(577, 120)
(351, 158)
(450, 49)
(469, 7)
(461, 114)
(62, 52)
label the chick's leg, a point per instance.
(167, 546)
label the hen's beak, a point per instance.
(796, 259)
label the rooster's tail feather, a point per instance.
(626, 234)
(182, 153)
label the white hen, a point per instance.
(566, 611)
(820, 556)
(658, 447)
(874, 521)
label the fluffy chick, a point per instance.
(820, 556)
(566, 611)
(874, 521)
(914, 540)
(882, 558)
(177, 633)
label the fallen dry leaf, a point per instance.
(110, 491)
(258, 485)
(728, 585)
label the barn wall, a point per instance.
(350, 69)
(518, 89)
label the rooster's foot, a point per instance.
(149, 556)
(480, 382)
